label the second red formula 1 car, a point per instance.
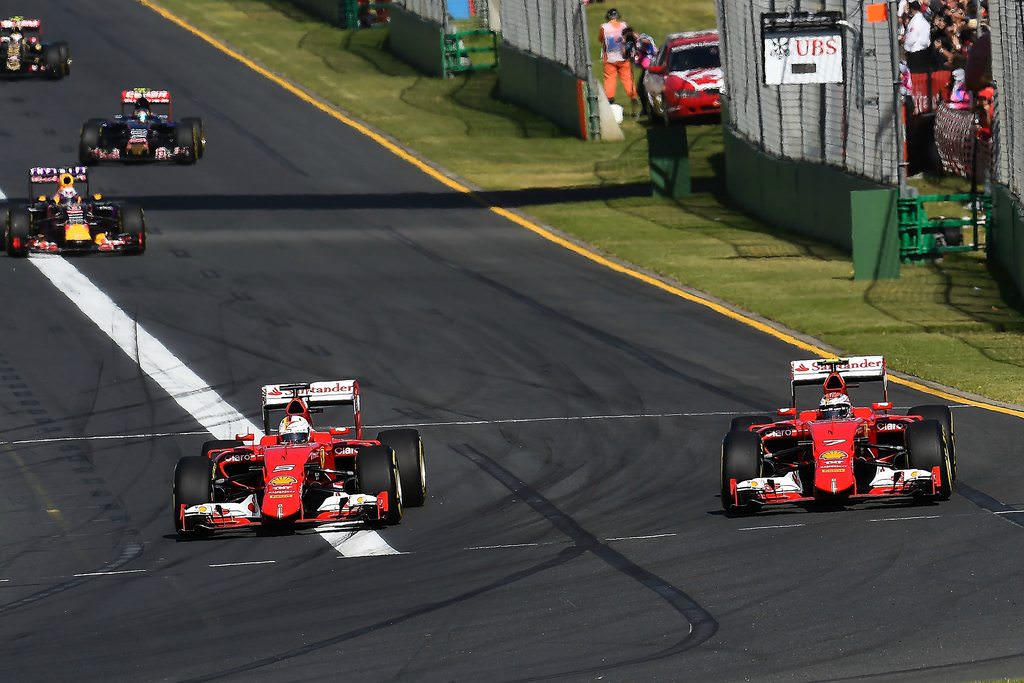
(837, 453)
(299, 475)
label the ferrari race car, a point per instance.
(142, 134)
(299, 475)
(836, 453)
(66, 218)
(26, 55)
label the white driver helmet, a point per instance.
(294, 429)
(68, 194)
(835, 406)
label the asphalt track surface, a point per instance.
(548, 548)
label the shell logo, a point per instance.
(282, 481)
(833, 455)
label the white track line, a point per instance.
(102, 437)
(243, 564)
(639, 538)
(507, 545)
(1007, 512)
(903, 519)
(122, 571)
(777, 526)
(186, 387)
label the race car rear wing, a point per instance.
(153, 96)
(856, 368)
(276, 397)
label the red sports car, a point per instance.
(836, 453)
(298, 475)
(685, 81)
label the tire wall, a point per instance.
(807, 198)
(544, 87)
(1006, 241)
(417, 41)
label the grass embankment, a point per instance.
(946, 322)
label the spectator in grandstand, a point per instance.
(613, 56)
(917, 40)
(979, 63)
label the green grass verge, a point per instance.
(946, 322)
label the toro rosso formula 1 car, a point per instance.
(139, 133)
(837, 453)
(26, 55)
(299, 475)
(66, 218)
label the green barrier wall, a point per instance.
(417, 41)
(810, 199)
(328, 10)
(1006, 239)
(876, 242)
(542, 86)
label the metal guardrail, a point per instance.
(922, 237)
(455, 51)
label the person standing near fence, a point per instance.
(643, 52)
(617, 65)
(917, 40)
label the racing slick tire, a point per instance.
(65, 58)
(17, 232)
(133, 223)
(377, 470)
(408, 447)
(199, 133)
(54, 61)
(88, 139)
(926, 449)
(185, 136)
(744, 422)
(217, 444)
(193, 478)
(741, 460)
(944, 416)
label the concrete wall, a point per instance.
(1006, 238)
(417, 41)
(807, 198)
(544, 87)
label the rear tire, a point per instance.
(89, 138)
(193, 479)
(17, 233)
(944, 416)
(412, 472)
(133, 224)
(926, 449)
(741, 460)
(377, 470)
(744, 422)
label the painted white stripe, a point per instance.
(3, 197)
(777, 526)
(4, 580)
(903, 519)
(360, 543)
(122, 571)
(1007, 512)
(508, 545)
(104, 437)
(180, 382)
(243, 564)
(639, 538)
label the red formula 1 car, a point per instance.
(837, 453)
(299, 475)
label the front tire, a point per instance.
(198, 134)
(944, 416)
(926, 450)
(741, 460)
(88, 139)
(193, 485)
(65, 58)
(412, 472)
(377, 470)
(54, 61)
(133, 224)
(185, 136)
(218, 444)
(743, 423)
(17, 234)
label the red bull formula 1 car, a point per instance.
(26, 55)
(66, 218)
(298, 475)
(836, 453)
(141, 133)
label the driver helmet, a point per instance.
(66, 195)
(835, 405)
(294, 429)
(142, 112)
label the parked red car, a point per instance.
(685, 82)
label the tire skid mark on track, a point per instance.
(701, 625)
(183, 385)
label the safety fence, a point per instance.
(553, 29)
(431, 10)
(848, 125)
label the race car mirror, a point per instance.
(786, 411)
(42, 197)
(245, 437)
(885, 405)
(97, 196)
